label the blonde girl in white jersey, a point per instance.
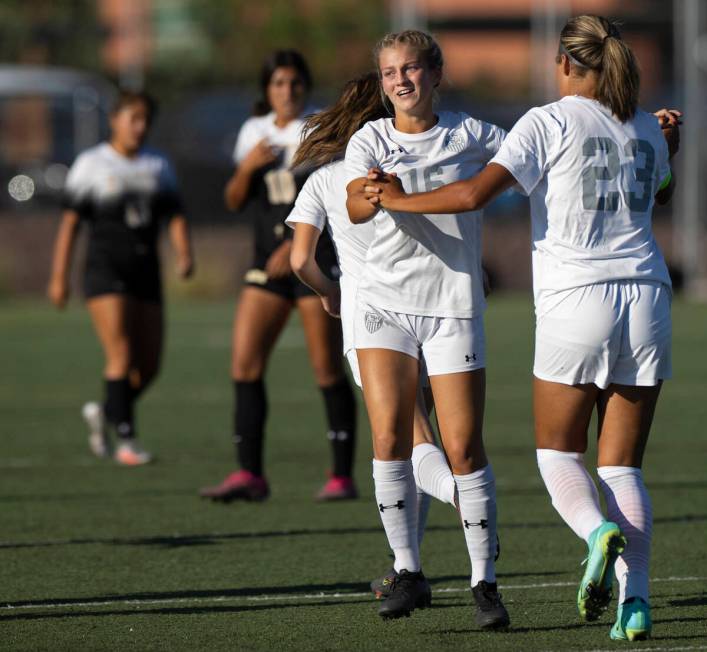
(320, 206)
(420, 299)
(593, 164)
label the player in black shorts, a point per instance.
(265, 187)
(123, 191)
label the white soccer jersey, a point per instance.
(591, 181)
(279, 180)
(425, 264)
(122, 198)
(101, 175)
(262, 127)
(322, 203)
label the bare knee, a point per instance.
(388, 446)
(247, 369)
(327, 372)
(466, 456)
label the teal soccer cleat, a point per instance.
(633, 621)
(606, 543)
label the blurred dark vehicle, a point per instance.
(47, 116)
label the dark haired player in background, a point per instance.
(265, 186)
(122, 190)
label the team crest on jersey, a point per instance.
(373, 322)
(454, 141)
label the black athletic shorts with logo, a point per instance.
(290, 287)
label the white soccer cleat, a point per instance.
(98, 440)
(130, 453)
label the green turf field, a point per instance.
(95, 557)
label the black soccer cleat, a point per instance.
(490, 612)
(409, 591)
(381, 586)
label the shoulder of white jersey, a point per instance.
(554, 116)
(92, 153)
(86, 164)
(481, 130)
(257, 121)
(256, 126)
(374, 134)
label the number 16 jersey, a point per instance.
(591, 181)
(424, 264)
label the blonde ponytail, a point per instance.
(594, 43)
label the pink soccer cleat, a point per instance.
(239, 485)
(130, 453)
(338, 487)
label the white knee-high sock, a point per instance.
(423, 508)
(396, 498)
(573, 492)
(629, 506)
(477, 508)
(432, 473)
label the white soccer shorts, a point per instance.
(446, 345)
(614, 332)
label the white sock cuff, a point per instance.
(611, 472)
(546, 454)
(423, 450)
(475, 478)
(391, 471)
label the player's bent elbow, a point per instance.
(298, 261)
(470, 198)
(357, 213)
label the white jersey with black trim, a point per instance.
(258, 128)
(592, 181)
(122, 198)
(425, 264)
(322, 203)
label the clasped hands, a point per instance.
(382, 188)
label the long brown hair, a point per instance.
(326, 133)
(594, 43)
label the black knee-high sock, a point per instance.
(119, 407)
(341, 414)
(251, 410)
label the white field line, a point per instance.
(296, 596)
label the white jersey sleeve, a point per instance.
(248, 137)
(80, 176)
(309, 207)
(530, 148)
(80, 181)
(488, 136)
(360, 155)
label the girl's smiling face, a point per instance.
(407, 80)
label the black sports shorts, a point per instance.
(290, 287)
(135, 275)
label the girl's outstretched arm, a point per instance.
(458, 197)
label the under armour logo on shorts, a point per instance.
(399, 505)
(483, 523)
(373, 322)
